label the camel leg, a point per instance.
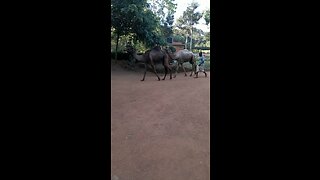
(193, 69)
(172, 67)
(165, 72)
(194, 66)
(167, 67)
(153, 67)
(176, 69)
(155, 72)
(185, 73)
(145, 71)
(178, 65)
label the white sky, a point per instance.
(182, 6)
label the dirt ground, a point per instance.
(159, 129)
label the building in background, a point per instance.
(177, 45)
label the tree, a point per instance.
(134, 16)
(199, 37)
(206, 16)
(164, 10)
(181, 32)
(167, 27)
(189, 19)
(121, 25)
(178, 35)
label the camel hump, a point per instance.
(185, 51)
(157, 48)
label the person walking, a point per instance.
(200, 66)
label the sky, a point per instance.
(182, 6)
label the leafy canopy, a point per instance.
(135, 16)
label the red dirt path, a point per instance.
(159, 129)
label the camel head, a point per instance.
(167, 50)
(129, 49)
(134, 55)
(170, 54)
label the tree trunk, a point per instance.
(186, 43)
(116, 55)
(191, 40)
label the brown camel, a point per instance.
(182, 56)
(152, 57)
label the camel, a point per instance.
(152, 57)
(182, 56)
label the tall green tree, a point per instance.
(181, 33)
(189, 18)
(134, 17)
(178, 36)
(199, 37)
(120, 24)
(164, 10)
(207, 39)
(206, 16)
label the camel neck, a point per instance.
(171, 55)
(138, 57)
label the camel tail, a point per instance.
(191, 60)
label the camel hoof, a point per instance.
(142, 80)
